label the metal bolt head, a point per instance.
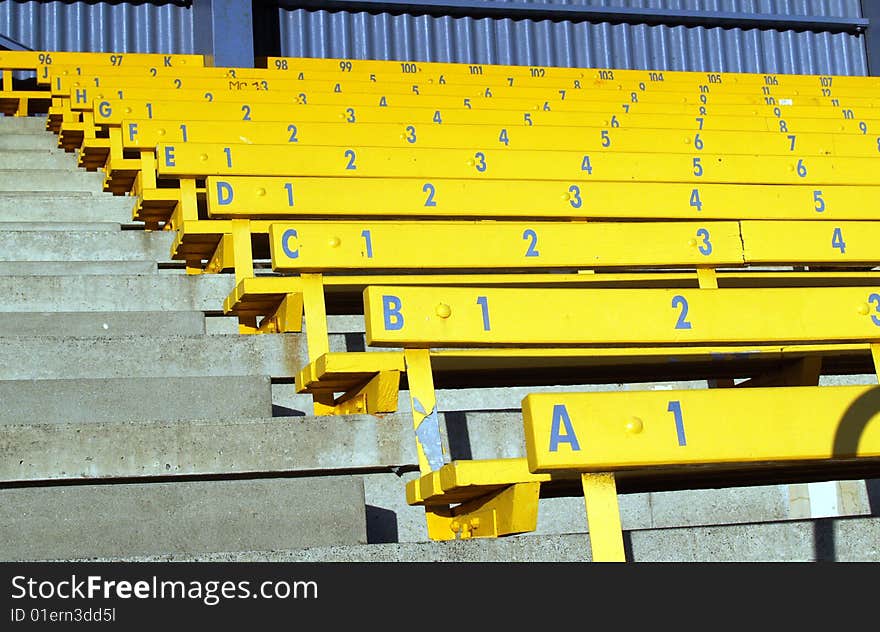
(443, 310)
(634, 425)
(864, 310)
(334, 242)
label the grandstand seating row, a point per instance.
(522, 226)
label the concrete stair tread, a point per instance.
(100, 324)
(846, 539)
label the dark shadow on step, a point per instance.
(824, 545)
(381, 525)
(873, 487)
(628, 546)
(284, 411)
(458, 436)
(355, 343)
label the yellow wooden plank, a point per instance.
(440, 316)
(191, 159)
(112, 111)
(267, 197)
(83, 97)
(140, 134)
(716, 79)
(94, 80)
(365, 245)
(19, 59)
(598, 432)
(799, 243)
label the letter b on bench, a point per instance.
(391, 306)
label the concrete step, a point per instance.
(128, 245)
(842, 540)
(28, 140)
(23, 125)
(85, 206)
(225, 446)
(221, 325)
(193, 517)
(101, 324)
(221, 444)
(36, 180)
(77, 268)
(48, 358)
(123, 400)
(37, 159)
(107, 293)
(61, 227)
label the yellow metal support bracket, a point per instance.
(377, 396)
(511, 510)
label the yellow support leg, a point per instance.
(188, 205)
(603, 516)
(242, 252)
(426, 422)
(315, 309)
(707, 278)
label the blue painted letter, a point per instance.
(560, 415)
(391, 307)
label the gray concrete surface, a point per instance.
(101, 324)
(61, 227)
(221, 325)
(50, 180)
(25, 140)
(41, 358)
(85, 206)
(104, 293)
(24, 125)
(194, 517)
(76, 268)
(842, 540)
(133, 399)
(222, 445)
(31, 158)
(129, 245)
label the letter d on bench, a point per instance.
(224, 193)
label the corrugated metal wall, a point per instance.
(89, 26)
(167, 27)
(545, 43)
